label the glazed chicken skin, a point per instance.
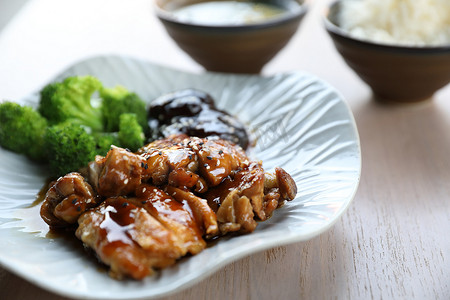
(66, 200)
(250, 192)
(134, 236)
(174, 215)
(213, 159)
(144, 211)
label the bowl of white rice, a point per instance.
(400, 48)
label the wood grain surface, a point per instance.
(392, 243)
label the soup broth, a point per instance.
(227, 13)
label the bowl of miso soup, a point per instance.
(231, 36)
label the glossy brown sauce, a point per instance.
(40, 196)
(194, 113)
(216, 195)
(118, 220)
(239, 180)
(160, 203)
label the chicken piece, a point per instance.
(174, 216)
(66, 200)
(187, 180)
(288, 188)
(278, 187)
(250, 187)
(203, 214)
(94, 169)
(183, 178)
(215, 159)
(122, 173)
(218, 158)
(164, 157)
(158, 168)
(235, 214)
(164, 143)
(271, 201)
(127, 238)
(248, 182)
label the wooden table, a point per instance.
(392, 243)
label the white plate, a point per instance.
(301, 124)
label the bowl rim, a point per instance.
(297, 14)
(335, 29)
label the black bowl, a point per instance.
(394, 73)
(232, 48)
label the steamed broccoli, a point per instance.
(69, 147)
(68, 130)
(131, 135)
(22, 130)
(70, 100)
(117, 101)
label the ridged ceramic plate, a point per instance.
(300, 123)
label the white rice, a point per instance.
(398, 22)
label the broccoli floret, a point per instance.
(22, 129)
(117, 101)
(69, 147)
(131, 135)
(70, 100)
(104, 142)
